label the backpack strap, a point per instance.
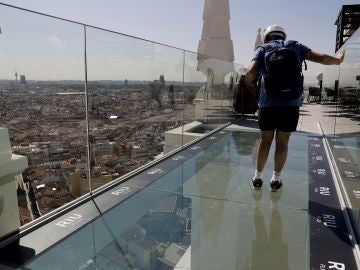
(268, 47)
(289, 43)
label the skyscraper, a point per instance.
(22, 79)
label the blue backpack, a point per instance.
(284, 67)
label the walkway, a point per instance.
(197, 210)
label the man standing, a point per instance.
(279, 108)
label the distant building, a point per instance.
(22, 79)
(57, 154)
(104, 147)
(139, 151)
(171, 95)
(155, 90)
(78, 185)
(348, 21)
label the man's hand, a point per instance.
(340, 56)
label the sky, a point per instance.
(178, 23)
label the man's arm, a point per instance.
(325, 59)
(252, 73)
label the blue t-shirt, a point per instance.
(264, 99)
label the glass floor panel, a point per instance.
(224, 170)
(197, 210)
(196, 232)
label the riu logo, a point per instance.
(70, 221)
(121, 191)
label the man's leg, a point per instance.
(281, 150)
(289, 123)
(266, 138)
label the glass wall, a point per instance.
(43, 105)
(88, 106)
(135, 95)
(345, 138)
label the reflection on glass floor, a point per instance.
(346, 154)
(349, 142)
(195, 210)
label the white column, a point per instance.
(10, 165)
(216, 41)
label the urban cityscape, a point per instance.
(47, 124)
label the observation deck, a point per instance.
(191, 206)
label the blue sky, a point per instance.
(179, 22)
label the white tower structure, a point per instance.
(258, 41)
(216, 47)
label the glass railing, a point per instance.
(88, 106)
(136, 94)
(43, 104)
(343, 128)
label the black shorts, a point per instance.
(284, 118)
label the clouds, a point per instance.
(55, 42)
